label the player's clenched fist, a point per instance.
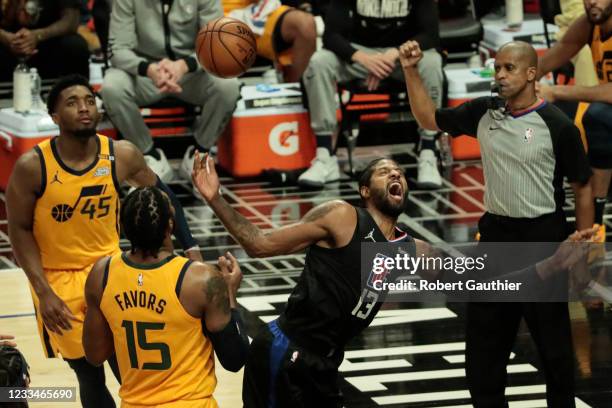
(410, 54)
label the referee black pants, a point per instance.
(492, 327)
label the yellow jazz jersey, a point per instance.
(230, 5)
(602, 55)
(164, 358)
(76, 215)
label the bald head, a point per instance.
(522, 53)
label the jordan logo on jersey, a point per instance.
(370, 236)
(56, 179)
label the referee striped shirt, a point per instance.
(525, 155)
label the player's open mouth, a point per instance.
(396, 190)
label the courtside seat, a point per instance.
(389, 103)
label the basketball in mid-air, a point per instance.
(226, 47)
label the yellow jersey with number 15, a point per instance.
(163, 356)
(76, 214)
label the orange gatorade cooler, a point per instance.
(270, 129)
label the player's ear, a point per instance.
(171, 226)
(364, 192)
(532, 73)
(55, 117)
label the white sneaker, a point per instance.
(160, 167)
(429, 176)
(187, 164)
(323, 169)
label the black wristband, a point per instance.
(192, 64)
(143, 67)
(181, 230)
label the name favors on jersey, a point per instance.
(140, 298)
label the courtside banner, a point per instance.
(486, 272)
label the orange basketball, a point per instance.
(226, 47)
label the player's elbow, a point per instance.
(96, 352)
(426, 118)
(257, 252)
(93, 354)
(259, 249)
(94, 360)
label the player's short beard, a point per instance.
(85, 133)
(386, 206)
(605, 15)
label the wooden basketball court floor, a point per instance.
(411, 356)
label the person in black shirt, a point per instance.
(361, 41)
(327, 307)
(44, 33)
(293, 361)
(528, 147)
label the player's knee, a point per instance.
(431, 63)
(305, 26)
(320, 62)
(229, 93)
(114, 89)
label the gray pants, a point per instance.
(326, 69)
(124, 93)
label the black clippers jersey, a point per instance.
(328, 306)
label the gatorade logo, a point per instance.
(284, 139)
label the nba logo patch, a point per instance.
(529, 132)
(378, 275)
(140, 279)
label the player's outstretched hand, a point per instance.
(204, 176)
(410, 54)
(55, 314)
(570, 254)
(230, 269)
(4, 342)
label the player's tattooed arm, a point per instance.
(223, 324)
(319, 224)
(216, 292)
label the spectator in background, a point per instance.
(278, 28)
(84, 30)
(361, 41)
(152, 57)
(44, 33)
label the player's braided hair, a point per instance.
(145, 215)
